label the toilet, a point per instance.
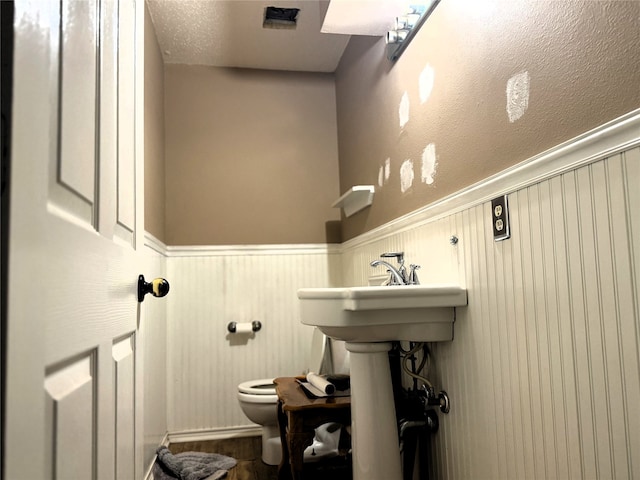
(258, 401)
(258, 398)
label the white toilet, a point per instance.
(258, 401)
(258, 398)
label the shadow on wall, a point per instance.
(333, 231)
(333, 235)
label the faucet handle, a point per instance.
(413, 275)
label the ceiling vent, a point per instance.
(276, 17)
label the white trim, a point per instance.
(355, 199)
(226, 250)
(164, 443)
(215, 434)
(204, 435)
(154, 244)
(608, 139)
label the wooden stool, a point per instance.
(298, 417)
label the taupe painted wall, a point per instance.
(251, 157)
(583, 64)
(154, 169)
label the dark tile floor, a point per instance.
(247, 452)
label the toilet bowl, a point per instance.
(258, 401)
(258, 398)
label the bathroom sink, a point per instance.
(369, 319)
(419, 313)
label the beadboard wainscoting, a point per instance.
(543, 373)
(212, 286)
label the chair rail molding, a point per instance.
(618, 135)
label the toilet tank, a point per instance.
(327, 355)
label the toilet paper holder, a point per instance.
(255, 326)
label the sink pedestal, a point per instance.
(374, 431)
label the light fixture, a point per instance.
(406, 27)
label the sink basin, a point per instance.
(419, 313)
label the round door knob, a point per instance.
(158, 287)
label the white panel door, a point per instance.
(73, 389)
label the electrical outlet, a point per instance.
(500, 218)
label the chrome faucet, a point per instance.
(398, 276)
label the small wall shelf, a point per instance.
(355, 199)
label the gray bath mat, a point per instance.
(191, 465)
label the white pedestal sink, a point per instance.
(369, 319)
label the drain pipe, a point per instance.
(430, 422)
(408, 431)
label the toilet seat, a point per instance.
(263, 386)
(258, 391)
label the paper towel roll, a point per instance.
(320, 383)
(246, 327)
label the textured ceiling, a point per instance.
(229, 33)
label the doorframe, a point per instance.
(6, 88)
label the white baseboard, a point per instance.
(164, 443)
(203, 435)
(215, 434)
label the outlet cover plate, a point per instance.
(500, 218)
